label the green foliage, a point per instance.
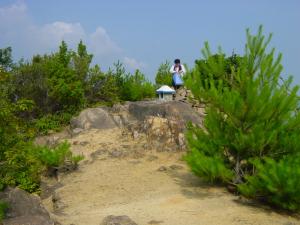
(117, 85)
(30, 82)
(249, 115)
(42, 94)
(3, 208)
(6, 58)
(21, 167)
(8, 120)
(25, 162)
(136, 87)
(212, 168)
(56, 156)
(275, 182)
(163, 75)
(65, 90)
(81, 62)
(51, 122)
(218, 67)
(102, 86)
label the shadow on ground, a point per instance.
(194, 187)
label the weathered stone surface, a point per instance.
(181, 110)
(93, 118)
(24, 208)
(77, 131)
(52, 139)
(117, 220)
(162, 169)
(164, 134)
(58, 204)
(176, 167)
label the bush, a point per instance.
(275, 182)
(213, 168)
(25, 163)
(250, 115)
(21, 167)
(136, 87)
(57, 156)
(52, 122)
(163, 75)
(3, 207)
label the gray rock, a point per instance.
(135, 134)
(176, 167)
(184, 111)
(84, 143)
(118, 220)
(52, 139)
(118, 153)
(76, 131)
(58, 205)
(24, 208)
(162, 169)
(97, 118)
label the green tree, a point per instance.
(218, 67)
(6, 61)
(247, 123)
(102, 87)
(136, 87)
(81, 60)
(163, 75)
(66, 91)
(30, 82)
(109, 91)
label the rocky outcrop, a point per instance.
(172, 109)
(51, 140)
(163, 123)
(98, 118)
(24, 208)
(117, 220)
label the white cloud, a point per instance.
(27, 38)
(134, 64)
(102, 44)
(19, 31)
(14, 14)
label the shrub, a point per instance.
(250, 115)
(52, 122)
(136, 87)
(25, 163)
(163, 75)
(21, 167)
(3, 207)
(275, 182)
(53, 158)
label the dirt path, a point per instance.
(119, 177)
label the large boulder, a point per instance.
(164, 123)
(24, 208)
(172, 109)
(98, 118)
(134, 112)
(164, 134)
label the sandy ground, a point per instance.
(148, 186)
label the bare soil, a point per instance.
(122, 176)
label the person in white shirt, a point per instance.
(178, 71)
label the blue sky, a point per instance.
(142, 34)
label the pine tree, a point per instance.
(163, 75)
(251, 117)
